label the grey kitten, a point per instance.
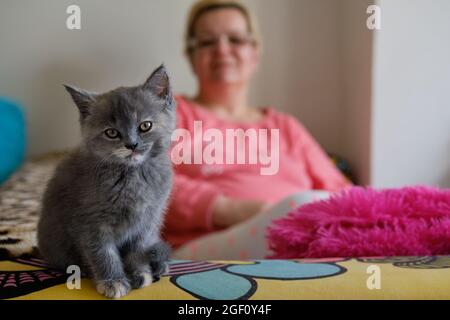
(104, 207)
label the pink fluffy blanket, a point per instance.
(366, 222)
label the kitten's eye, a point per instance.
(145, 126)
(112, 133)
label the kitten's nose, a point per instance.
(131, 146)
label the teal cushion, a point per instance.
(12, 137)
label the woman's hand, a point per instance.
(228, 212)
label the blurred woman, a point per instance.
(224, 47)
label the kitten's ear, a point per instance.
(159, 84)
(82, 98)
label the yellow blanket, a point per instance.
(368, 278)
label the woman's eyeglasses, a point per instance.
(235, 41)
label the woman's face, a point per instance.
(224, 53)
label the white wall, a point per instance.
(411, 106)
(355, 48)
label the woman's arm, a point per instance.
(324, 174)
(191, 204)
(322, 171)
(228, 212)
(198, 205)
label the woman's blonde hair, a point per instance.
(203, 6)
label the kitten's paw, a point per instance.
(141, 279)
(113, 288)
(158, 269)
(159, 257)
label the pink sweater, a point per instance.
(303, 165)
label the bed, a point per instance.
(24, 276)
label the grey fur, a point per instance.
(103, 210)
